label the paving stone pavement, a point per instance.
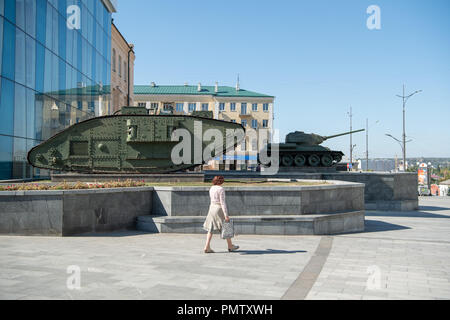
(401, 255)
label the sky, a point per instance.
(318, 58)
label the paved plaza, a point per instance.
(401, 255)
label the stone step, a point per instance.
(315, 224)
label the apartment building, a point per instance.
(255, 111)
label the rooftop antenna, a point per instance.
(237, 84)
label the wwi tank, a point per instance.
(304, 150)
(130, 142)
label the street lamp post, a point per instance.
(351, 138)
(402, 145)
(405, 99)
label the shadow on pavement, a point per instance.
(270, 251)
(112, 234)
(409, 214)
(380, 226)
(433, 208)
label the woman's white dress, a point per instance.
(217, 210)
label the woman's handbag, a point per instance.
(227, 230)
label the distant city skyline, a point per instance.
(317, 58)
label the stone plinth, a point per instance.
(335, 207)
(70, 212)
(313, 224)
(336, 196)
(383, 190)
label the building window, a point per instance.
(254, 123)
(125, 71)
(255, 107)
(266, 107)
(265, 123)
(244, 123)
(168, 107)
(243, 108)
(221, 106)
(232, 106)
(114, 60)
(205, 106)
(254, 144)
(192, 107)
(154, 105)
(91, 106)
(179, 107)
(142, 104)
(243, 145)
(120, 66)
(234, 121)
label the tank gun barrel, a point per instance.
(343, 134)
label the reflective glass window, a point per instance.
(10, 10)
(30, 52)
(1, 39)
(20, 108)
(7, 107)
(40, 67)
(30, 17)
(48, 71)
(49, 26)
(6, 155)
(20, 14)
(30, 114)
(20, 57)
(8, 56)
(41, 20)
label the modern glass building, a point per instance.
(55, 67)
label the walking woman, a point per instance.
(218, 212)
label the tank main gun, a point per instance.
(301, 138)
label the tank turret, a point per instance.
(303, 150)
(299, 137)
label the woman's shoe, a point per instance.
(208, 251)
(233, 249)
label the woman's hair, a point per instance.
(218, 180)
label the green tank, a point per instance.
(130, 142)
(304, 150)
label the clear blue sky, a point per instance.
(317, 57)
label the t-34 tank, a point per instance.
(130, 142)
(304, 150)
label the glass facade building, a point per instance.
(55, 70)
